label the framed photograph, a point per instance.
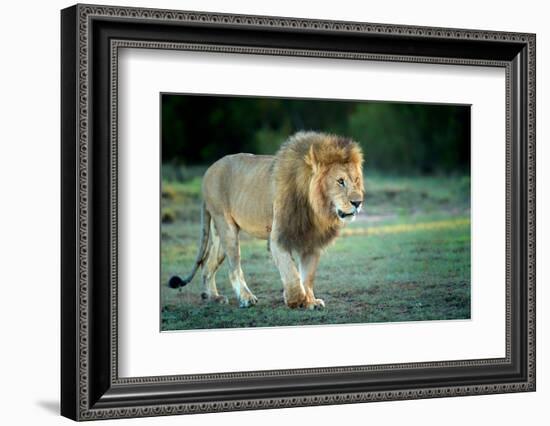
(263, 212)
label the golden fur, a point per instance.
(302, 166)
(297, 199)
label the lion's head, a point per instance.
(318, 188)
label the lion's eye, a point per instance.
(341, 182)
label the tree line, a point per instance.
(395, 137)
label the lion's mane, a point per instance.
(302, 208)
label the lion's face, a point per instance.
(344, 190)
(318, 187)
(337, 191)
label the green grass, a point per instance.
(406, 259)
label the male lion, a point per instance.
(297, 200)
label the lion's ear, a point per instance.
(311, 160)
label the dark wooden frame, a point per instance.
(90, 386)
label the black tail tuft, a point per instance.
(176, 282)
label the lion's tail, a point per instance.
(176, 281)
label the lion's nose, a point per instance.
(356, 204)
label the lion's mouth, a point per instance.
(343, 215)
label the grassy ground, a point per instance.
(406, 258)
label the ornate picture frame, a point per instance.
(91, 37)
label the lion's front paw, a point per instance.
(315, 304)
(247, 300)
(295, 297)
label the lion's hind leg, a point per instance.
(214, 258)
(229, 235)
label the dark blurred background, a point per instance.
(397, 138)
